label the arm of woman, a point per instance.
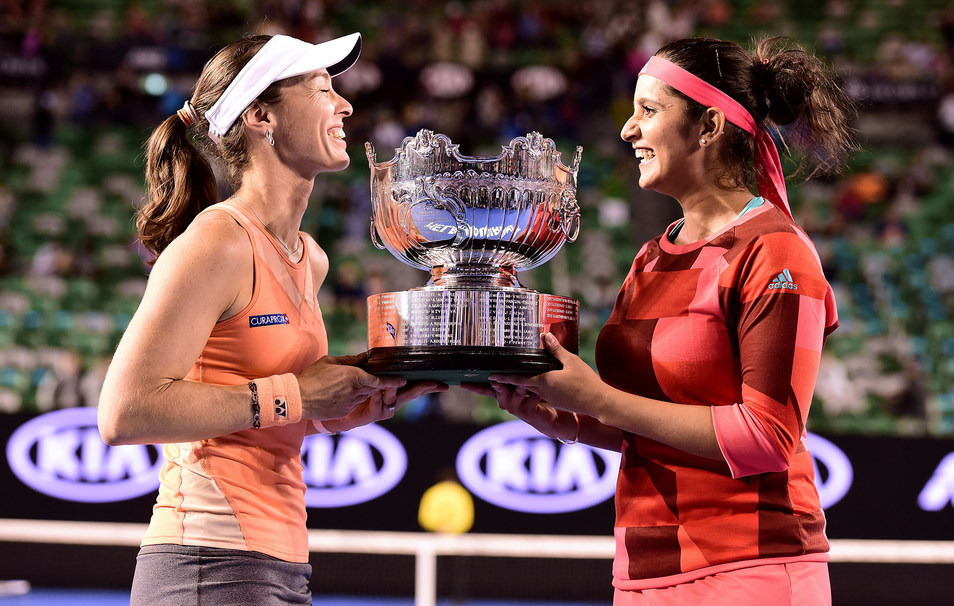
(577, 388)
(780, 335)
(781, 331)
(204, 276)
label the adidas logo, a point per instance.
(783, 280)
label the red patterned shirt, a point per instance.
(735, 322)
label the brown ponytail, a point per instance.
(179, 178)
(180, 183)
(784, 87)
(799, 90)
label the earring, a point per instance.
(270, 137)
(704, 141)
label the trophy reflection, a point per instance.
(473, 223)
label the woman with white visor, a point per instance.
(225, 362)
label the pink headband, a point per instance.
(771, 181)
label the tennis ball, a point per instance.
(446, 507)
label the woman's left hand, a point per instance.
(376, 408)
(576, 387)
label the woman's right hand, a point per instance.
(334, 385)
(380, 406)
(528, 407)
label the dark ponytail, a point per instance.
(179, 178)
(785, 88)
(801, 91)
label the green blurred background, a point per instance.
(82, 84)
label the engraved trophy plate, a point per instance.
(473, 222)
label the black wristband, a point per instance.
(256, 408)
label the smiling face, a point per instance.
(310, 131)
(664, 141)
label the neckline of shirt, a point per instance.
(666, 241)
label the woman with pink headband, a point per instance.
(226, 360)
(708, 361)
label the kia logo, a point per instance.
(515, 467)
(833, 472)
(351, 468)
(61, 454)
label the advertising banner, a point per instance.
(373, 478)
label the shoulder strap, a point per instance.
(242, 219)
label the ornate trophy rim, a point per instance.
(426, 139)
(434, 207)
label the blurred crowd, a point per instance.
(82, 84)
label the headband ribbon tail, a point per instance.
(771, 179)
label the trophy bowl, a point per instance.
(473, 223)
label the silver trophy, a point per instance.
(472, 222)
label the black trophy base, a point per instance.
(460, 364)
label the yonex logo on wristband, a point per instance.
(281, 407)
(267, 320)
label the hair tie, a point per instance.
(187, 114)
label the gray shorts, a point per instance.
(183, 575)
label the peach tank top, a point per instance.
(245, 490)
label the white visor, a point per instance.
(281, 57)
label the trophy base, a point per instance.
(457, 364)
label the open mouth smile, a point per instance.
(644, 155)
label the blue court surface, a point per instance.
(112, 597)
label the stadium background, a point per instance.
(82, 83)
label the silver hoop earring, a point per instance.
(270, 137)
